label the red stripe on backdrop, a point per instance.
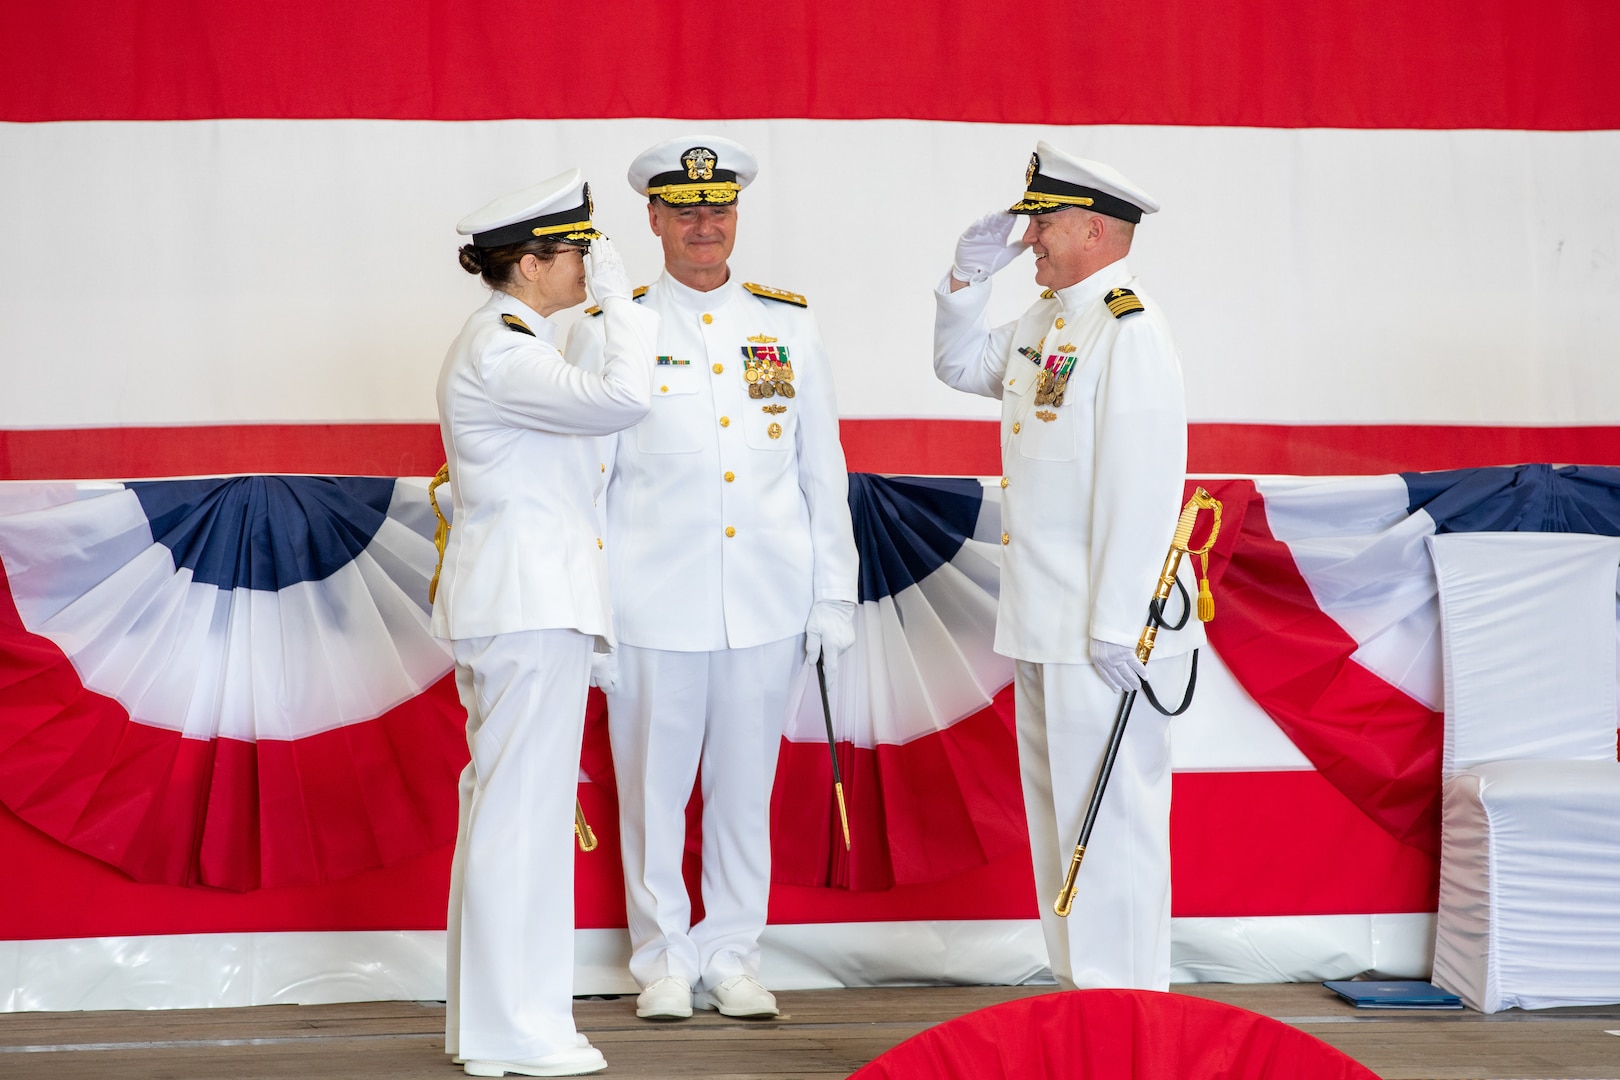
(1244, 844)
(904, 446)
(1266, 63)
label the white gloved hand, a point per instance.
(830, 631)
(604, 273)
(605, 671)
(984, 247)
(1118, 666)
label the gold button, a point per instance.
(730, 531)
(1012, 382)
(725, 421)
(1060, 324)
(661, 390)
(1003, 481)
(730, 476)
(707, 318)
(718, 368)
(604, 466)
(598, 543)
(1017, 428)
(1005, 539)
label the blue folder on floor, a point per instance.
(1399, 994)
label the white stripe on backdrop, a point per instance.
(272, 270)
(200, 971)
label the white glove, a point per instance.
(604, 272)
(605, 671)
(984, 247)
(830, 631)
(1118, 666)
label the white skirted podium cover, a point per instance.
(228, 746)
(1530, 855)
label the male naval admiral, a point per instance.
(1094, 451)
(732, 562)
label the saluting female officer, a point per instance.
(523, 599)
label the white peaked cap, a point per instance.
(1056, 181)
(694, 170)
(558, 208)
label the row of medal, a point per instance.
(1053, 379)
(767, 371)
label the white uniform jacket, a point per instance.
(526, 551)
(1093, 486)
(727, 515)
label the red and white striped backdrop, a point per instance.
(1389, 241)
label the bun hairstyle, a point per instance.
(496, 264)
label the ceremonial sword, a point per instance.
(1179, 546)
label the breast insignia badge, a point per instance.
(774, 410)
(774, 431)
(1046, 415)
(763, 339)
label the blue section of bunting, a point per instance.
(908, 527)
(1519, 498)
(264, 532)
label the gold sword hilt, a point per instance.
(582, 829)
(1180, 545)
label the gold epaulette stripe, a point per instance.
(514, 323)
(779, 295)
(635, 294)
(1122, 302)
(1048, 294)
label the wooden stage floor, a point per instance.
(824, 1034)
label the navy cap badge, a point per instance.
(699, 162)
(1034, 167)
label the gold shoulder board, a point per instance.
(781, 296)
(1048, 294)
(636, 295)
(514, 323)
(1123, 302)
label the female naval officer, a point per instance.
(523, 599)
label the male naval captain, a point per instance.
(1094, 452)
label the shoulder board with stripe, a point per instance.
(781, 296)
(1123, 302)
(1048, 294)
(514, 323)
(636, 294)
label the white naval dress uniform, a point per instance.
(1093, 487)
(729, 517)
(523, 598)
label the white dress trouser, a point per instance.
(1118, 933)
(671, 713)
(510, 943)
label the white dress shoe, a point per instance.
(740, 995)
(668, 998)
(575, 1061)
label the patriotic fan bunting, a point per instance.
(226, 682)
(229, 682)
(1328, 614)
